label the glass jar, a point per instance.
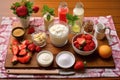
(58, 33)
(75, 28)
(62, 11)
(79, 11)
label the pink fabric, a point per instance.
(5, 31)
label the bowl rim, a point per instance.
(65, 52)
(93, 38)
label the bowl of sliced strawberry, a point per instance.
(84, 44)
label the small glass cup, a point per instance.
(100, 31)
(39, 38)
(88, 27)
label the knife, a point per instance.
(38, 71)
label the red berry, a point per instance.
(22, 11)
(15, 42)
(25, 59)
(79, 65)
(77, 46)
(31, 47)
(88, 37)
(86, 48)
(22, 52)
(26, 42)
(15, 49)
(92, 44)
(88, 41)
(22, 46)
(14, 60)
(83, 36)
(38, 48)
(31, 30)
(81, 40)
(35, 9)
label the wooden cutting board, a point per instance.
(93, 60)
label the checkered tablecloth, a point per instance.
(5, 32)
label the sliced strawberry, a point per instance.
(38, 48)
(26, 42)
(14, 60)
(15, 49)
(15, 42)
(81, 41)
(25, 59)
(83, 36)
(22, 46)
(75, 42)
(22, 52)
(31, 47)
(31, 30)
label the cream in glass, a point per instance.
(58, 34)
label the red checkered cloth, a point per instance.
(5, 32)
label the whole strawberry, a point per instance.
(38, 48)
(35, 9)
(79, 65)
(31, 47)
(21, 11)
(31, 30)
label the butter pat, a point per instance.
(45, 58)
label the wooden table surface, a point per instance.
(92, 8)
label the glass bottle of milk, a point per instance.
(79, 11)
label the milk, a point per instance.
(79, 11)
(58, 34)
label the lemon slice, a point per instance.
(75, 28)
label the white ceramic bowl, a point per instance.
(45, 58)
(65, 59)
(84, 53)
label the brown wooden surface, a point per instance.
(92, 8)
(93, 61)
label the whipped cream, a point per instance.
(58, 34)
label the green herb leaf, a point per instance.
(48, 17)
(17, 4)
(71, 19)
(46, 9)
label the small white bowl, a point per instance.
(84, 53)
(45, 58)
(65, 59)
